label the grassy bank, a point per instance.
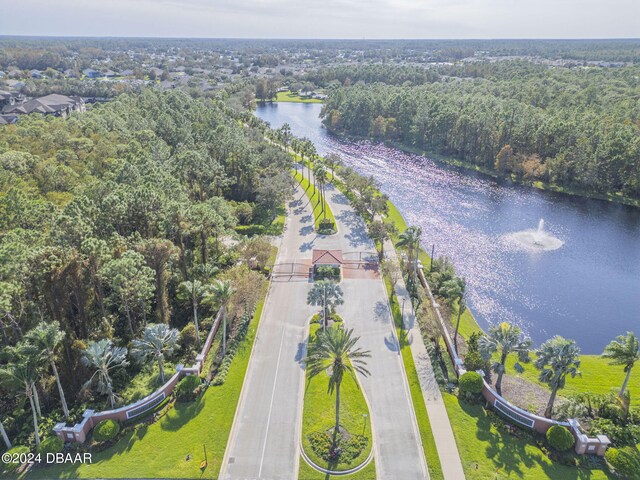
(294, 98)
(174, 446)
(490, 453)
(422, 417)
(319, 414)
(314, 199)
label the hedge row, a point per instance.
(221, 375)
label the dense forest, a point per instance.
(575, 128)
(115, 219)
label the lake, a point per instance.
(588, 289)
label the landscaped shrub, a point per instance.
(346, 450)
(185, 390)
(15, 451)
(51, 445)
(560, 438)
(471, 382)
(326, 226)
(327, 272)
(221, 375)
(106, 430)
(625, 461)
(187, 338)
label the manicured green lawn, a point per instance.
(319, 413)
(295, 98)
(597, 377)
(315, 200)
(487, 453)
(308, 473)
(160, 450)
(422, 417)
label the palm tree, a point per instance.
(220, 294)
(22, 377)
(48, 337)
(334, 351)
(325, 294)
(103, 357)
(5, 437)
(192, 291)
(320, 175)
(410, 239)
(333, 160)
(453, 290)
(624, 350)
(505, 339)
(158, 341)
(557, 358)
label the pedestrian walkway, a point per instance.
(440, 425)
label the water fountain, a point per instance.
(537, 239)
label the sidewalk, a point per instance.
(440, 425)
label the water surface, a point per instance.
(588, 290)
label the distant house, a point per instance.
(126, 73)
(91, 73)
(2, 74)
(8, 119)
(36, 74)
(10, 98)
(54, 104)
(70, 73)
(110, 74)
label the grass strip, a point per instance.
(314, 199)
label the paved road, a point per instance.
(264, 441)
(265, 436)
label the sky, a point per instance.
(323, 18)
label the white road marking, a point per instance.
(273, 394)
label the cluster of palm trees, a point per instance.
(556, 359)
(37, 353)
(216, 294)
(28, 361)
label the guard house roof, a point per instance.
(327, 257)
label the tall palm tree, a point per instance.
(192, 291)
(334, 350)
(557, 358)
(48, 337)
(220, 294)
(103, 357)
(410, 239)
(22, 377)
(325, 294)
(158, 341)
(5, 437)
(505, 339)
(320, 175)
(453, 290)
(624, 350)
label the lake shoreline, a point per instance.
(443, 159)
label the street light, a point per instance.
(402, 322)
(364, 422)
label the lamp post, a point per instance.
(364, 422)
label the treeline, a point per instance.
(390, 74)
(574, 128)
(109, 217)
